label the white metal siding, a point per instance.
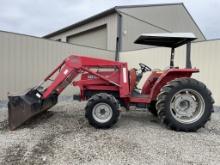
(205, 56)
(132, 29)
(173, 18)
(25, 60)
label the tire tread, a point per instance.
(95, 99)
(162, 100)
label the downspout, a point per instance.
(119, 36)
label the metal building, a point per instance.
(117, 28)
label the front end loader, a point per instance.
(180, 102)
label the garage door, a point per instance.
(96, 37)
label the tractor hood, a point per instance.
(171, 40)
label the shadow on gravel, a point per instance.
(14, 155)
(141, 117)
(43, 150)
(36, 120)
(39, 154)
(4, 125)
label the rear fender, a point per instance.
(168, 76)
(149, 83)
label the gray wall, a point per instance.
(205, 56)
(26, 60)
(173, 18)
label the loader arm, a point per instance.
(71, 67)
(21, 108)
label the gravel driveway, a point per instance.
(63, 136)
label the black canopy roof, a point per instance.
(171, 40)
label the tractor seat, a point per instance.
(132, 78)
(133, 83)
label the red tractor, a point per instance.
(182, 103)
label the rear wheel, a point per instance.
(184, 104)
(152, 108)
(102, 110)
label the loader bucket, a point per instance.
(22, 108)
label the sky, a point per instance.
(40, 17)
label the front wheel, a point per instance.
(102, 110)
(184, 104)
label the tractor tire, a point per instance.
(102, 110)
(152, 109)
(184, 104)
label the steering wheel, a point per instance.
(144, 68)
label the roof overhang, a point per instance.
(171, 40)
(85, 21)
(103, 14)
